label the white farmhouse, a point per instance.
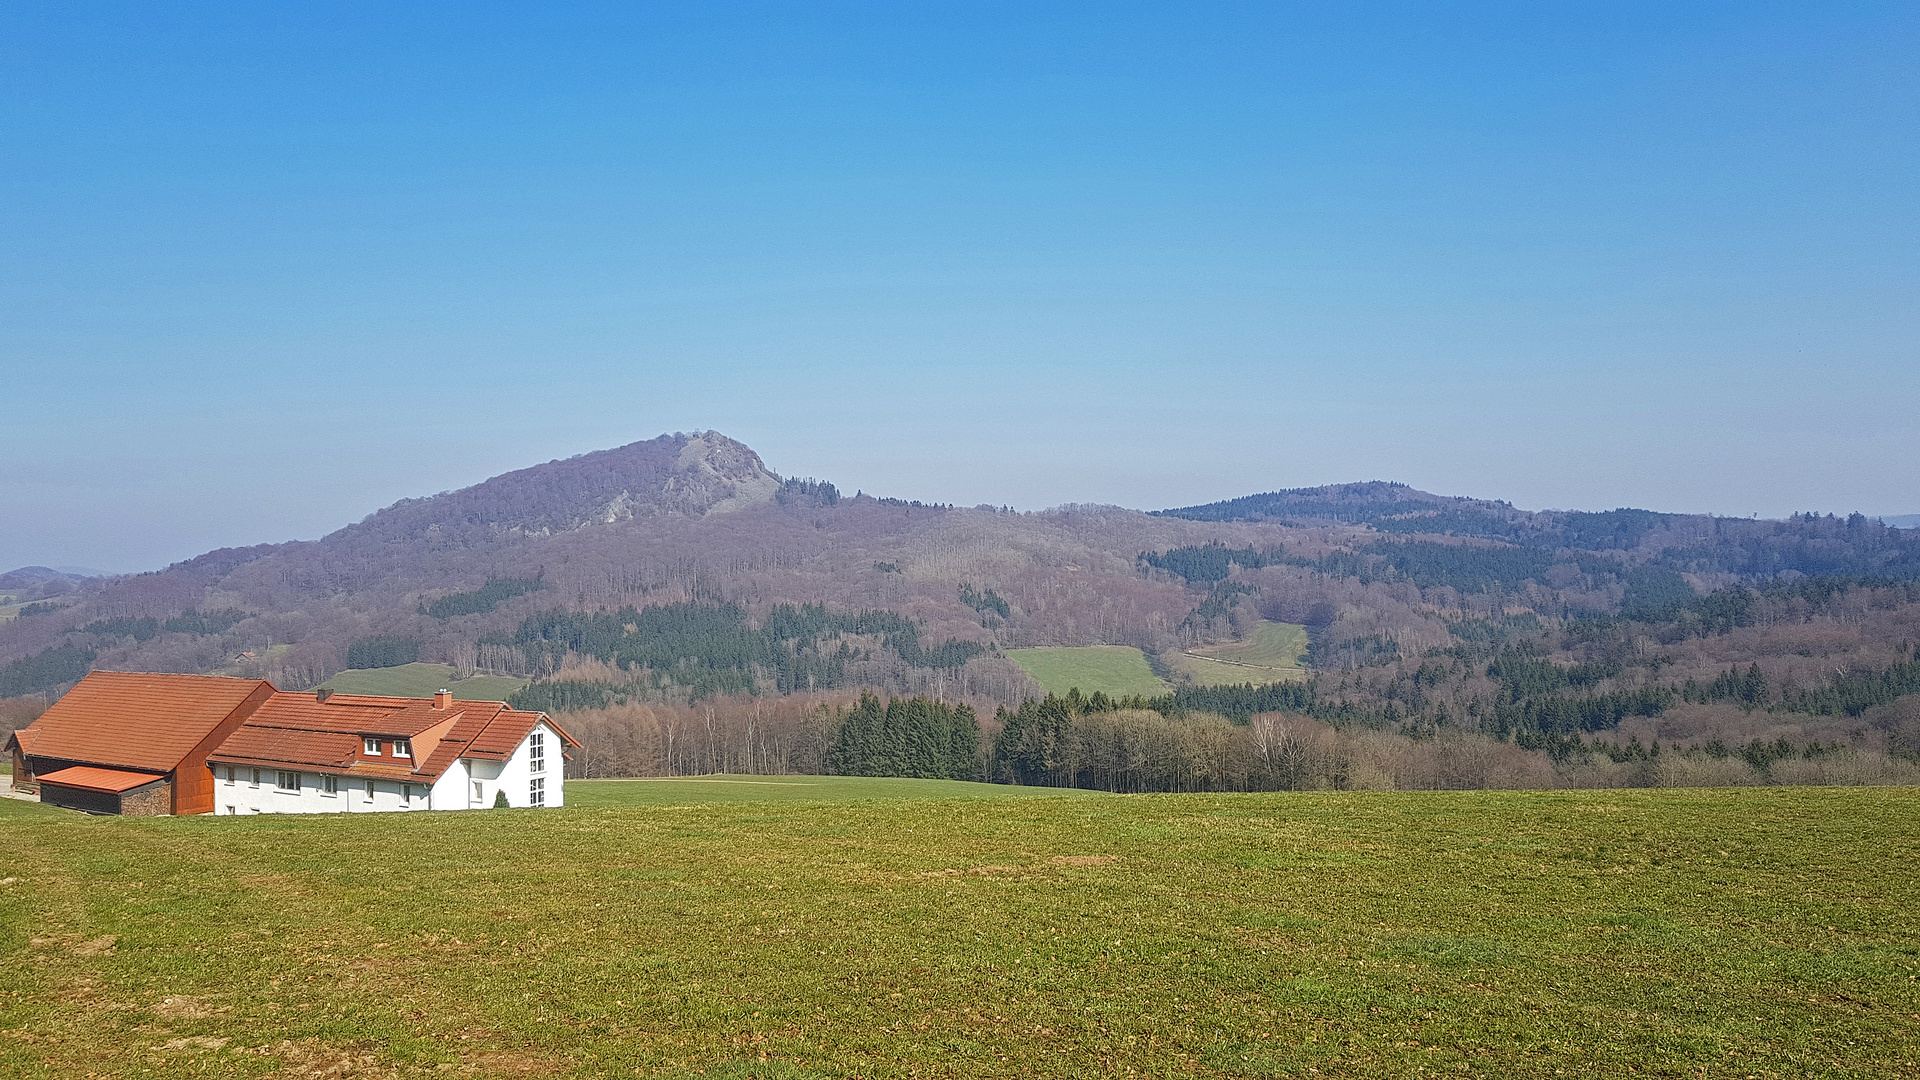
(352, 753)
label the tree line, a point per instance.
(484, 599)
(715, 648)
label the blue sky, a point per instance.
(264, 270)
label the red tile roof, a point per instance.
(498, 740)
(135, 720)
(282, 746)
(298, 730)
(392, 717)
(88, 778)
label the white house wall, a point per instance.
(453, 791)
(242, 796)
(514, 776)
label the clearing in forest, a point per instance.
(1274, 652)
(1672, 932)
(421, 680)
(1113, 669)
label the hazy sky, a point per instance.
(263, 271)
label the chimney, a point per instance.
(443, 699)
(321, 695)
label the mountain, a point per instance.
(29, 577)
(1693, 543)
(1903, 521)
(32, 583)
(683, 567)
(673, 475)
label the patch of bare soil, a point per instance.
(186, 1007)
(100, 946)
(507, 1063)
(193, 1042)
(310, 1060)
(978, 870)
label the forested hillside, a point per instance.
(682, 573)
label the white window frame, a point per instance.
(403, 748)
(329, 785)
(280, 782)
(255, 782)
(369, 791)
(537, 752)
(479, 792)
(229, 776)
(372, 747)
(537, 791)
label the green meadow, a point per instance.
(1273, 652)
(687, 790)
(422, 680)
(1114, 669)
(892, 929)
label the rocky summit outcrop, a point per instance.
(677, 475)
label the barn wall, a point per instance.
(151, 800)
(93, 802)
(193, 785)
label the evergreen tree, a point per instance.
(915, 736)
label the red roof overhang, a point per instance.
(91, 778)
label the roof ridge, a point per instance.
(182, 675)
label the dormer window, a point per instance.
(373, 747)
(402, 748)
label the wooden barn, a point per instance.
(134, 743)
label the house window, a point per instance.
(231, 811)
(256, 779)
(229, 774)
(537, 791)
(373, 747)
(329, 785)
(479, 792)
(369, 791)
(537, 753)
(287, 781)
(406, 793)
(402, 748)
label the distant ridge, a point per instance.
(31, 576)
(1397, 508)
(1354, 504)
(1903, 521)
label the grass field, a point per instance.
(689, 790)
(1115, 669)
(1763, 932)
(421, 680)
(1274, 652)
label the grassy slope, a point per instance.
(421, 680)
(1116, 669)
(1732, 932)
(1272, 653)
